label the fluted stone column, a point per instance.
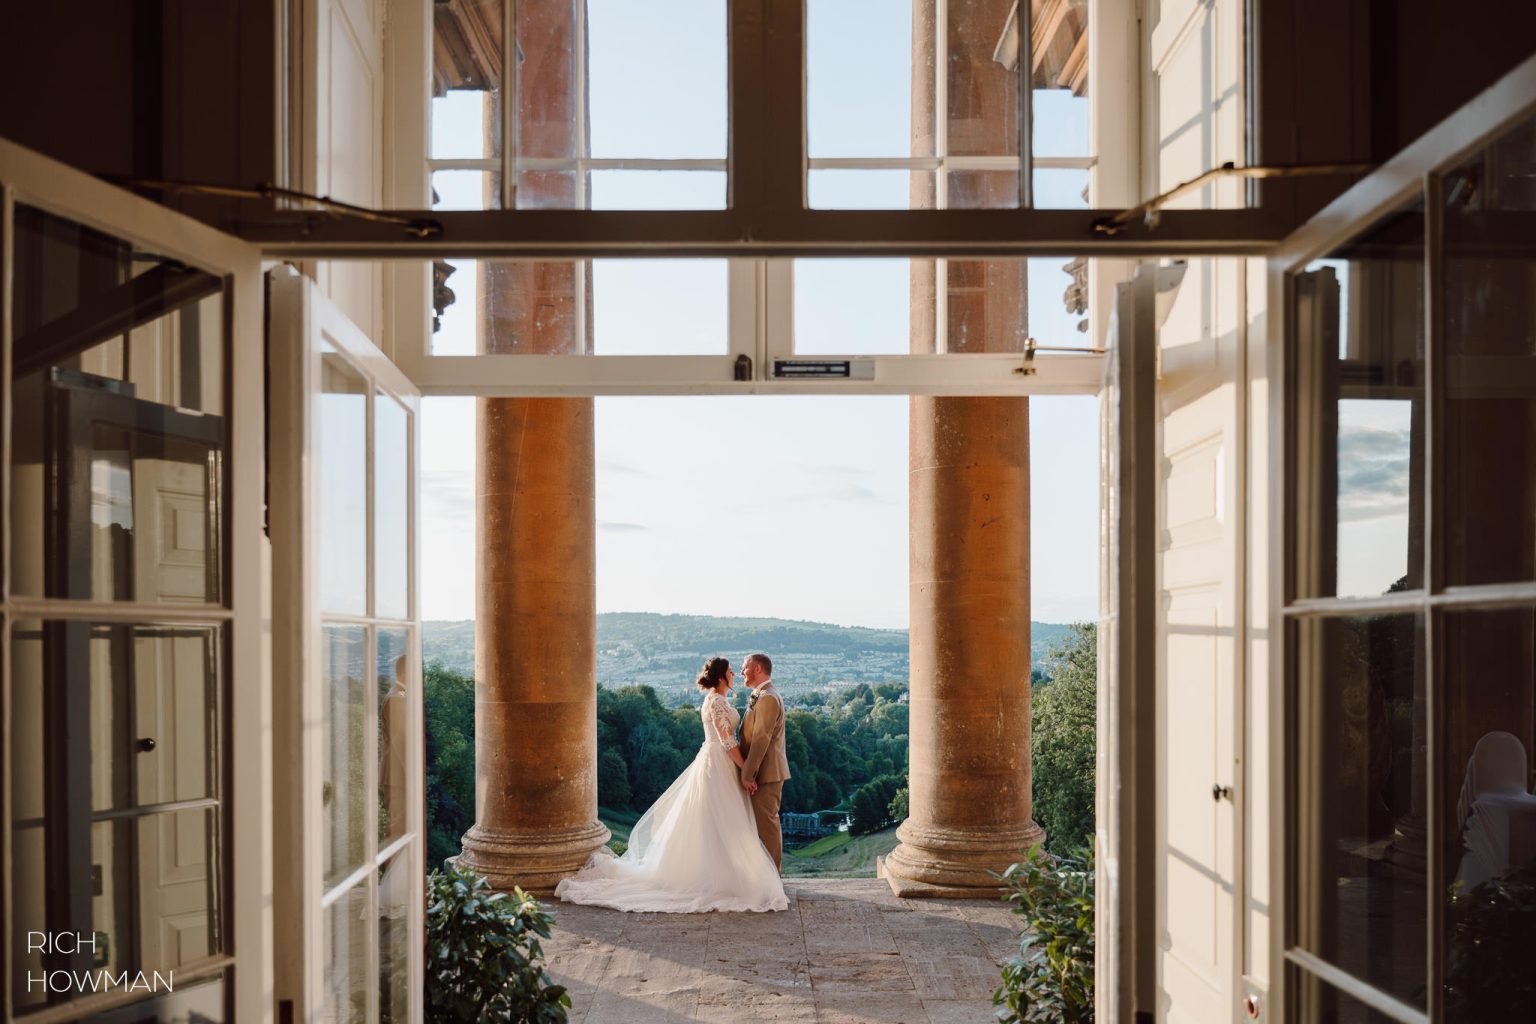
(535, 644)
(969, 760)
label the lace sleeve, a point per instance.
(720, 721)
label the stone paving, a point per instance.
(847, 951)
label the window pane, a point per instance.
(1318, 1002)
(149, 698)
(465, 190)
(392, 454)
(1061, 188)
(839, 189)
(858, 73)
(119, 373)
(345, 996)
(902, 306)
(343, 438)
(601, 307)
(1357, 840)
(1490, 355)
(395, 939)
(466, 79)
(1489, 844)
(657, 77)
(344, 791)
(657, 190)
(395, 678)
(1359, 439)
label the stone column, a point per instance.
(535, 644)
(969, 771)
(536, 602)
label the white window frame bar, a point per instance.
(29, 178)
(1414, 171)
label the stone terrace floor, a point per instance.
(846, 952)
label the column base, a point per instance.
(536, 861)
(955, 862)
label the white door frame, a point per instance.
(46, 184)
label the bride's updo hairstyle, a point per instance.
(713, 673)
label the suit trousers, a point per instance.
(765, 808)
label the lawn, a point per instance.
(618, 822)
(839, 856)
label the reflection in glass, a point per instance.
(465, 80)
(344, 792)
(1489, 811)
(1490, 354)
(392, 454)
(395, 677)
(119, 370)
(1358, 844)
(1359, 387)
(1318, 1002)
(343, 440)
(345, 997)
(395, 939)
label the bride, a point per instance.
(696, 849)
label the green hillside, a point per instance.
(664, 651)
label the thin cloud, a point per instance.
(623, 468)
(447, 496)
(1373, 473)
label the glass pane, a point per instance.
(1358, 836)
(1061, 188)
(465, 190)
(119, 371)
(393, 451)
(854, 307)
(1318, 1002)
(1359, 433)
(601, 307)
(1490, 355)
(660, 307)
(345, 996)
(395, 678)
(344, 789)
(838, 189)
(455, 304)
(466, 79)
(343, 486)
(901, 306)
(147, 701)
(657, 190)
(1061, 115)
(395, 939)
(858, 75)
(1489, 844)
(657, 77)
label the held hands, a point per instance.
(749, 786)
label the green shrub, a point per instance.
(618, 846)
(1492, 933)
(1052, 979)
(484, 961)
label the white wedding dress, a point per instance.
(696, 849)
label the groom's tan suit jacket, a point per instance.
(762, 738)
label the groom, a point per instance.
(762, 744)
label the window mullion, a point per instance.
(1434, 585)
(509, 105)
(1026, 27)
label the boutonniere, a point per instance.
(752, 700)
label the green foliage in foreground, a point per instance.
(484, 960)
(1064, 716)
(1052, 978)
(448, 699)
(1493, 930)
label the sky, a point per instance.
(782, 506)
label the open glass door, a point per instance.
(346, 646)
(1407, 823)
(136, 824)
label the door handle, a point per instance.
(1220, 792)
(145, 744)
